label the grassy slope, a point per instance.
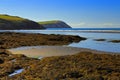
(49, 22)
(11, 18)
(14, 22)
(54, 24)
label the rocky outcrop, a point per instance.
(54, 24)
(15, 23)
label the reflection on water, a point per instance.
(90, 42)
(16, 72)
(98, 45)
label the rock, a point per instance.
(115, 41)
(1, 61)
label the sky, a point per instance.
(77, 13)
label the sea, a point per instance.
(90, 33)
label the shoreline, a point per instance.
(102, 31)
(86, 31)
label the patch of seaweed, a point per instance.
(115, 41)
(12, 40)
(81, 66)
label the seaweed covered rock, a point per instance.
(1, 61)
(11, 39)
(82, 66)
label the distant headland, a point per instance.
(8, 22)
(54, 24)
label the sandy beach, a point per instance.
(48, 51)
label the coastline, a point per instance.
(61, 30)
(54, 43)
(102, 31)
(54, 61)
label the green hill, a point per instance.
(54, 24)
(49, 22)
(8, 22)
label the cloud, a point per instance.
(111, 24)
(108, 24)
(78, 24)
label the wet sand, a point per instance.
(48, 51)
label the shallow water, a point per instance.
(90, 42)
(16, 72)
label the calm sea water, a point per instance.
(90, 42)
(83, 28)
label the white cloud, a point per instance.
(78, 24)
(111, 24)
(108, 24)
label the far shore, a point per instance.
(86, 31)
(100, 31)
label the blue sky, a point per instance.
(77, 13)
